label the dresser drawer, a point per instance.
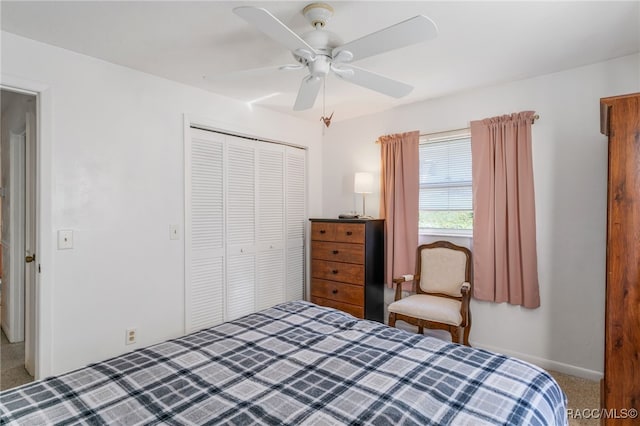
(323, 231)
(339, 292)
(336, 271)
(356, 311)
(338, 252)
(338, 231)
(349, 233)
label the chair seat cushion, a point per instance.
(430, 308)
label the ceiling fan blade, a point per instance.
(308, 93)
(413, 30)
(264, 21)
(377, 82)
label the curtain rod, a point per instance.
(466, 129)
(533, 120)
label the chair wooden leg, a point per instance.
(455, 338)
(420, 329)
(467, 330)
(392, 319)
(465, 336)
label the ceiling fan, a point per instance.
(322, 52)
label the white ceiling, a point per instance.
(204, 44)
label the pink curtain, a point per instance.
(504, 225)
(399, 202)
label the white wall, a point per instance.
(117, 168)
(570, 166)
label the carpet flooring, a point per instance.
(583, 395)
(12, 371)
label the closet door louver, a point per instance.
(204, 231)
(270, 196)
(295, 201)
(241, 227)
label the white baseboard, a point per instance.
(547, 364)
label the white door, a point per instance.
(204, 230)
(13, 243)
(270, 229)
(241, 227)
(295, 202)
(30, 233)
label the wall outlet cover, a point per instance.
(65, 239)
(131, 336)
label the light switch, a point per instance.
(65, 239)
(174, 233)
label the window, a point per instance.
(445, 184)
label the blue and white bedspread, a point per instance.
(295, 363)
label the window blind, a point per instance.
(445, 174)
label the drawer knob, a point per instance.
(335, 291)
(322, 231)
(335, 271)
(349, 233)
(335, 252)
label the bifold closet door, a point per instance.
(244, 227)
(241, 227)
(296, 217)
(204, 230)
(271, 240)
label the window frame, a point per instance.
(427, 138)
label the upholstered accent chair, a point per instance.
(442, 291)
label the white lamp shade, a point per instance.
(363, 183)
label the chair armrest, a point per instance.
(465, 287)
(398, 283)
(403, 279)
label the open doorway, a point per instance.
(17, 235)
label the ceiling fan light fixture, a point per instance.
(320, 67)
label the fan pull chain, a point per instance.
(326, 120)
(324, 94)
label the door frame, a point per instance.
(30, 226)
(44, 286)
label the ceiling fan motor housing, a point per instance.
(322, 41)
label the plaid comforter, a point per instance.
(295, 363)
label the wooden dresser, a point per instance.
(347, 266)
(620, 120)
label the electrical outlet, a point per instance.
(130, 336)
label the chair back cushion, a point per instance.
(442, 270)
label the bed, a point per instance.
(295, 363)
